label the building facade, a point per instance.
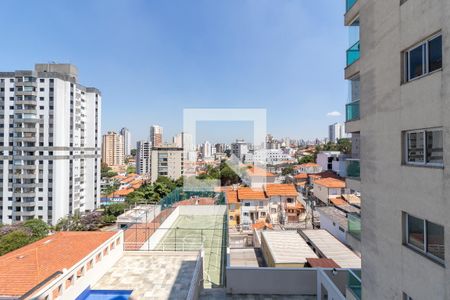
(398, 109)
(112, 149)
(143, 157)
(336, 132)
(166, 161)
(50, 127)
(125, 133)
(240, 149)
(156, 135)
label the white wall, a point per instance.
(156, 237)
(327, 223)
(271, 281)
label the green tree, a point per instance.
(179, 182)
(169, 183)
(14, 240)
(133, 152)
(38, 228)
(344, 145)
(131, 169)
(306, 159)
(115, 209)
(108, 219)
(111, 188)
(228, 176)
(287, 171)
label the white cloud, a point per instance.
(334, 114)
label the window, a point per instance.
(424, 147)
(423, 59)
(425, 236)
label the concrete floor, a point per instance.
(151, 275)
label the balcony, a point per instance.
(354, 283)
(353, 168)
(352, 111)
(353, 54)
(349, 4)
(354, 225)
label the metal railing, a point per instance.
(353, 53)
(354, 225)
(353, 168)
(352, 111)
(349, 4)
(354, 283)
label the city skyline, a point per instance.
(251, 54)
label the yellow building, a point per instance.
(234, 208)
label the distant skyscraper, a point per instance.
(240, 149)
(336, 132)
(207, 150)
(126, 141)
(143, 157)
(156, 135)
(50, 143)
(112, 149)
(184, 140)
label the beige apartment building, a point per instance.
(166, 161)
(156, 135)
(398, 114)
(112, 149)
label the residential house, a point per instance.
(234, 207)
(325, 159)
(280, 197)
(327, 188)
(257, 177)
(254, 205)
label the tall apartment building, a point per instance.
(112, 149)
(156, 135)
(125, 133)
(143, 157)
(336, 132)
(166, 161)
(240, 149)
(399, 115)
(184, 140)
(206, 150)
(49, 142)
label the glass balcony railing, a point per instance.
(353, 168)
(354, 283)
(353, 54)
(349, 4)
(354, 225)
(352, 111)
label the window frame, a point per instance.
(425, 58)
(406, 148)
(423, 251)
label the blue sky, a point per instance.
(151, 59)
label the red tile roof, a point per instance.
(286, 190)
(262, 225)
(301, 176)
(330, 182)
(24, 268)
(246, 193)
(338, 201)
(322, 263)
(123, 192)
(256, 171)
(231, 196)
